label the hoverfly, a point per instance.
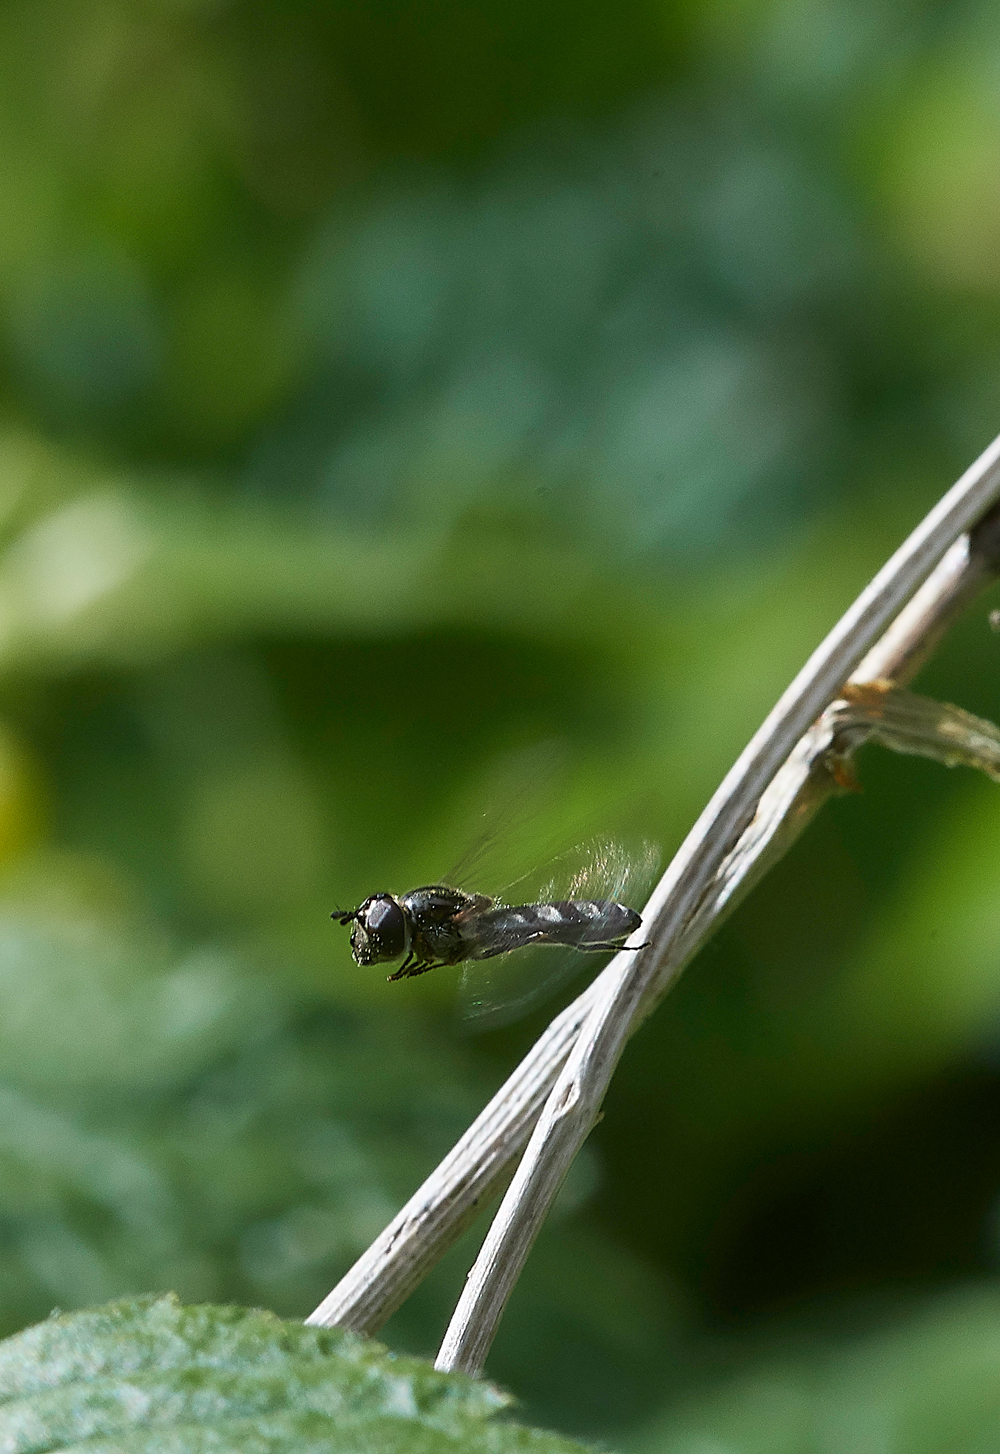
(439, 924)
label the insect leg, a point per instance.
(607, 948)
(404, 969)
(421, 968)
(411, 966)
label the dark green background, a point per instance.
(388, 389)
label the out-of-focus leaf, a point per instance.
(129, 1080)
(85, 1004)
(152, 1375)
(925, 1385)
(537, 343)
(111, 578)
(184, 1120)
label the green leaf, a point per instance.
(149, 1374)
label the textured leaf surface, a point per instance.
(150, 1374)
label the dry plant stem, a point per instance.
(805, 782)
(434, 1216)
(970, 564)
(632, 984)
(477, 1165)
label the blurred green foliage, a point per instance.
(146, 1373)
(387, 389)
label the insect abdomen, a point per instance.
(582, 923)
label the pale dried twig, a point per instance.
(435, 1215)
(632, 983)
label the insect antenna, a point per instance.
(344, 916)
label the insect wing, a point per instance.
(496, 991)
(602, 870)
(513, 809)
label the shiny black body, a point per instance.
(438, 925)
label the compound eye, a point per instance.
(385, 924)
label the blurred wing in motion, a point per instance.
(501, 985)
(514, 806)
